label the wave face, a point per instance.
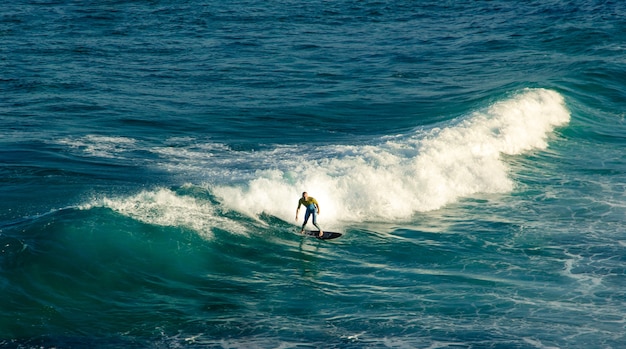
(390, 179)
(471, 153)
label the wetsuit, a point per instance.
(311, 209)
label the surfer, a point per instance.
(312, 208)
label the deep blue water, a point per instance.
(152, 155)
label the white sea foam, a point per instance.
(538, 344)
(164, 207)
(403, 175)
(390, 178)
(101, 146)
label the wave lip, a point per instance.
(466, 159)
(412, 173)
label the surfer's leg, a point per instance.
(321, 233)
(306, 219)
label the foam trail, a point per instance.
(403, 175)
(101, 146)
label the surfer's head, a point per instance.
(305, 195)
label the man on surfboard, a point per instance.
(312, 208)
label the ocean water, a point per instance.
(472, 153)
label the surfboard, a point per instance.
(327, 234)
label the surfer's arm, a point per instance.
(298, 209)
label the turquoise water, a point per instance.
(471, 153)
